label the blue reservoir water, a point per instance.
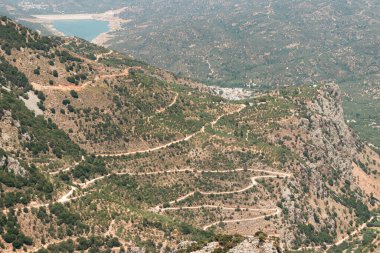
(87, 29)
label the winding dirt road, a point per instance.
(242, 106)
(277, 212)
(274, 211)
(169, 105)
(68, 87)
(344, 239)
(158, 208)
(152, 149)
(98, 56)
(63, 199)
(66, 198)
(64, 170)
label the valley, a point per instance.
(127, 157)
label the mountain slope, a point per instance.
(253, 44)
(125, 155)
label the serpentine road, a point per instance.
(253, 183)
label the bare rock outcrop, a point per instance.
(253, 245)
(12, 165)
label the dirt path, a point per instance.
(358, 230)
(152, 149)
(344, 239)
(213, 123)
(253, 183)
(211, 70)
(273, 210)
(63, 199)
(170, 105)
(110, 230)
(273, 174)
(98, 56)
(216, 207)
(202, 171)
(277, 212)
(66, 198)
(65, 169)
(68, 87)
(37, 86)
(36, 248)
(88, 183)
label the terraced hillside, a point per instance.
(103, 153)
(252, 44)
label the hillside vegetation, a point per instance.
(103, 153)
(258, 45)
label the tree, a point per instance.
(42, 251)
(17, 244)
(66, 102)
(9, 238)
(70, 108)
(41, 96)
(74, 94)
(71, 79)
(261, 235)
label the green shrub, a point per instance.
(44, 135)
(74, 94)
(10, 74)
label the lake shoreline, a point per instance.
(112, 17)
(87, 29)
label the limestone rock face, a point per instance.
(3, 161)
(253, 245)
(183, 245)
(209, 248)
(137, 250)
(329, 130)
(326, 147)
(249, 245)
(13, 166)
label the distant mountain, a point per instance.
(100, 152)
